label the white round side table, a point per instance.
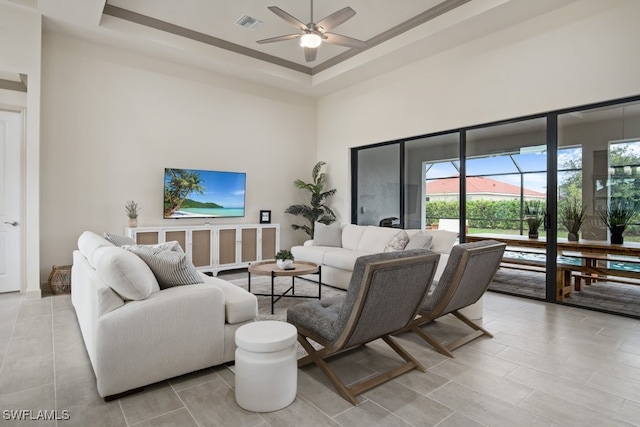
(266, 365)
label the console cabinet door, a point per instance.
(178, 235)
(200, 248)
(146, 237)
(228, 239)
(249, 245)
(269, 242)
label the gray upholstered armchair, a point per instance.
(384, 296)
(466, 277)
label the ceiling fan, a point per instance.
(314, 33)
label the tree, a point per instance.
(317, 210)
(179, 183)
(570, 180)
(624, 181)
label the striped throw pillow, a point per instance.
(171, 268)
(119, 240)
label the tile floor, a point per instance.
(548, 365)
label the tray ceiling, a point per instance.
(205, 34)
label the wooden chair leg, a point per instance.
(350, 393)
(315, 357)
(471, 323)
(403, 353)
(478, 331)
(428, 338)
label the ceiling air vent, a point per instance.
(248, 22)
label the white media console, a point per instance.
(214, 248)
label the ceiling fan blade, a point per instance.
(336, 18)
(310, 53)
(290, 19)
(343, 40)
(279, 38)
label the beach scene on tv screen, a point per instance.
(192, 193)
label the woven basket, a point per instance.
(60, 279)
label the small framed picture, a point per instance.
(265, 217)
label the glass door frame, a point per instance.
(552, 145)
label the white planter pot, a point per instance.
(284, 263)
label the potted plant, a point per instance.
(131, 208)
(534, 211)
(572, 215)
(317, 210)
(284, 259)
(617, 217)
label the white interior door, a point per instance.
(10, 200)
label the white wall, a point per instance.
(583, 53)
(20, 33)
(113, 120)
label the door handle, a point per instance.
(12, 223)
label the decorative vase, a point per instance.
(284, 264)
(616, 234)
(573, 237)
(533, 234)
(133, 222)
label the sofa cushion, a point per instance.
(239, 305)
(312, 253)
(398, 242)
(420, 241)
(327, 235)
(125, 273)
(443, 240)
(88, 242)
(170, 268)
(119, 240)
(375, 239)
(343, 260)
(351, 235)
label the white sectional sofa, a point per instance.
(137, 333)
(337, 247)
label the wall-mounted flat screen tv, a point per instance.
(193, 193)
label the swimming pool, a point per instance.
(542, 259)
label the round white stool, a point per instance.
(266, 365)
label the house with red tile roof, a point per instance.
(479, 188)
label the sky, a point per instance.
(535, 161)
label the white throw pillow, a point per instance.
(125, 273)
(327, 235)
(398, 242)
(443, 240)
(419, 241)
(171, 268)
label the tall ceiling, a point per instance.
(206, 34)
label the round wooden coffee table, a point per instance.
(299, 268)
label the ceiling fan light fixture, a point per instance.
(310, 40)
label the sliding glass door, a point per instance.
(599, 170)
(506, 195)
(432, 176)
(378, 186)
